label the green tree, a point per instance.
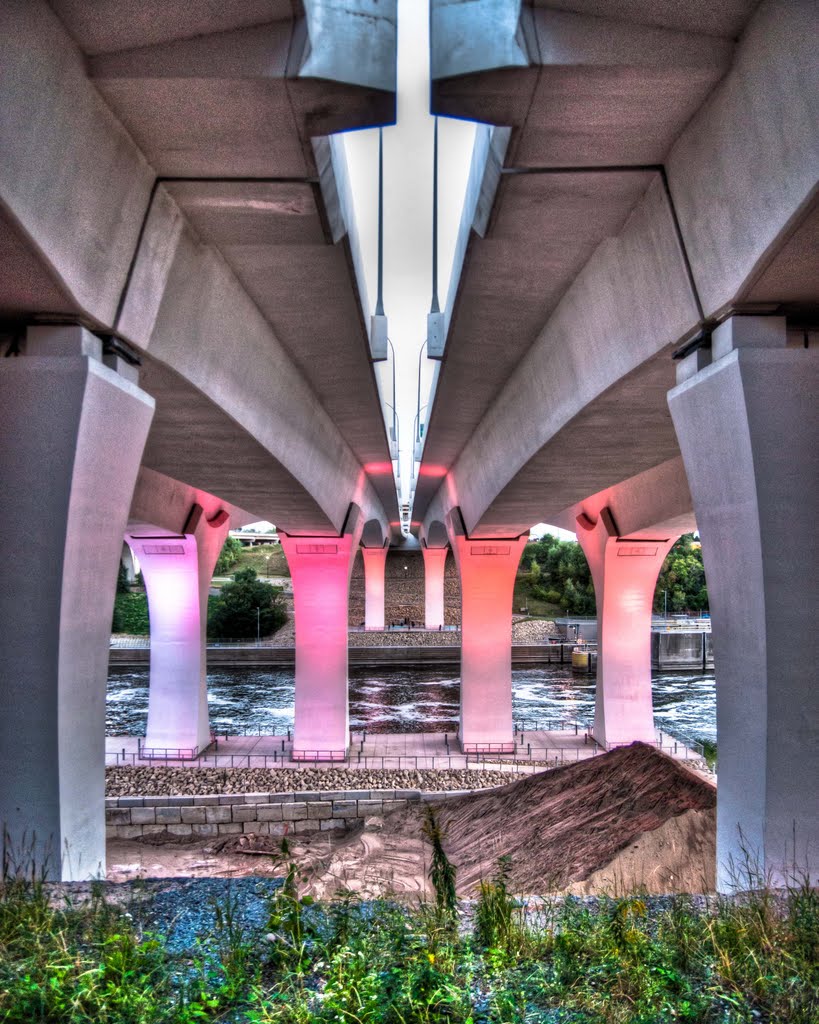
(122, 579)
(562, 575)
(245, 605)
(682, 579)
(228, 557)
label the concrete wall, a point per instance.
(448, 653)
(682, 651)
(275, 814)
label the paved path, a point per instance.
(390, 750)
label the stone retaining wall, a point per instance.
(275, 814)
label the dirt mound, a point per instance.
(630, 818)
(561, 826)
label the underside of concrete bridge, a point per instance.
(181, 291)
(642, 213)
(629, 348)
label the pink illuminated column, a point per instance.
(487, 571)
(434, 563)
(177, 572)
(374, 561)
(625, 575)
(320, 569)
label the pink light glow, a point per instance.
(374, 561)
(434, 563)
(320, 572)
(487, 582)
(624, 589)
(177, 697)
(432, 471)
(378, 468)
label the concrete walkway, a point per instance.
(389, 750)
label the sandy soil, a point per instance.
(631, 818)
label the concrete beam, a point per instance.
(125, 255)
(607, 330)
(765, 113)
(258, 91)
(651, 504)
(605, 347)
(182, 289)
(71, 177)
(576, 88)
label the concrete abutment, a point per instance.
(745, 419)
(75, 431)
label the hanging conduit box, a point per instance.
(378, 337)
(435, 335)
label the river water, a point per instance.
(411, 700)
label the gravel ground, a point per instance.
(524, 631)
(184, 909)
(130, 780)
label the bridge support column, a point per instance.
(177, 571)
(746, 424)
(320, 568)
(434, 565)
(625, 576)
(487, 570)
(73, 431)
(374, 561)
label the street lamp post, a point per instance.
(258, 626)
(665, 604)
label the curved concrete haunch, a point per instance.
(747, 424)
(74, 430)
(320, 568)
(487, 572)
(434, 565)
(177, 571)
(625, 574)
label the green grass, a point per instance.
(742, 961)
(257, 558)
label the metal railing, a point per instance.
(666, 625)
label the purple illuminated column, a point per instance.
(374, 562)
(434, 563)
(625, 575)
(320, 569)
(487, 582)
(177, 572)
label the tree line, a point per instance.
(558, 574)
(243, 608)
